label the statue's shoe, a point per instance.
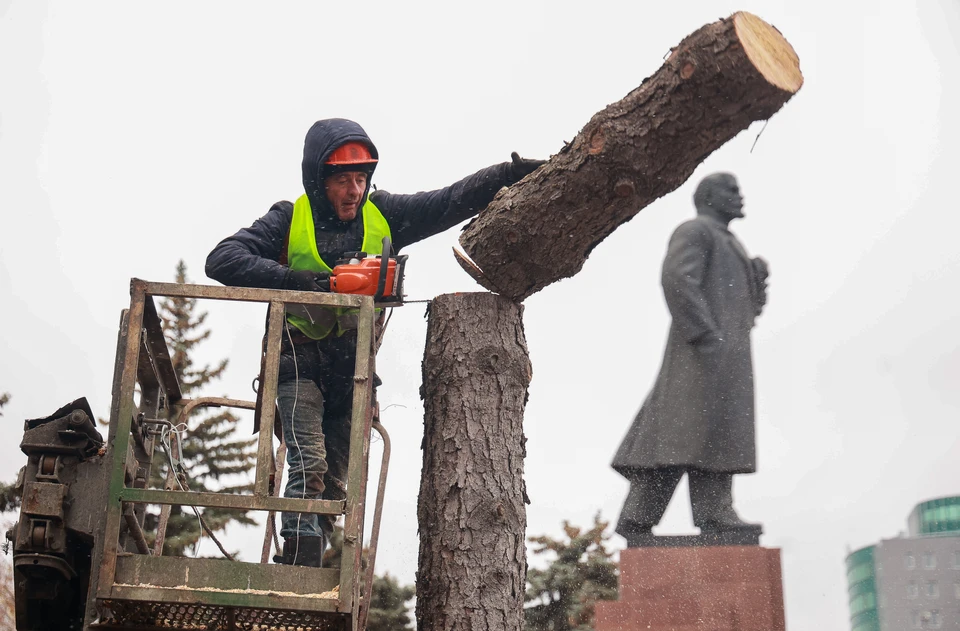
(633, 529)
(729, 524)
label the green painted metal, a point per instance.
(216, 596)
(939, 516)
(222, 500)
(120, 445)
(246, 583)
(251, 294)
(361, 422)
(862, 590)
(364, 608)
(275, 319)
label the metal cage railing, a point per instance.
(132, 585)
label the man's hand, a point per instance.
(521, 167)
(761, 272)
(760, 268)
(305, 280)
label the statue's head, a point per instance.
(719, 194)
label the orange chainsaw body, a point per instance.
(363, 277)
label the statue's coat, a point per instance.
(700, 412)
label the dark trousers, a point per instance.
(315, 397)
(711, 497)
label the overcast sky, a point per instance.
(133, 135)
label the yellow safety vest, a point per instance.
(302, 254)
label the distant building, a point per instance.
(913, 581)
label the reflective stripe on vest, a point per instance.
(302, 254)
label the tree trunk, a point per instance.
(471, 512)
(715, 83)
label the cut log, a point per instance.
(471, 511)
(715, 83)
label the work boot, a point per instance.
(307, 551)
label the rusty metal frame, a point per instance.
(364, 610)
(145, 360)
(269, 533)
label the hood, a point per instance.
(325, 136)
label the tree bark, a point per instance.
(715, 83)
(471, 510)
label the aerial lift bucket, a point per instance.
(122, 582)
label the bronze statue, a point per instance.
(699, 417)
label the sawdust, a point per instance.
(332, 594)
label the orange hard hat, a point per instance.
(351, 153)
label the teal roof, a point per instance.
(939, 516)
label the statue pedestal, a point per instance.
(714, 588)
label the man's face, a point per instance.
(345, 190)
(727, 199)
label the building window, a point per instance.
(859, 573)
(909, 561)
(926, 619)
(933, 589)
(912, 590)
(929, 561)
(862, 603)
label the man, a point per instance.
(699, 418)
(294, 246)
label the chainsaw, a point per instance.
(380, 276)
(358, 273)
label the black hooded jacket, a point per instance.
(251, 257)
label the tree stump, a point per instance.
(471, 510)
(715, 83)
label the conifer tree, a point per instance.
(214, 457)
(388, 605)
(334, 551)
(565, 593)
(9, 497)
(9, 500)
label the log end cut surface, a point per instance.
(769, 52)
